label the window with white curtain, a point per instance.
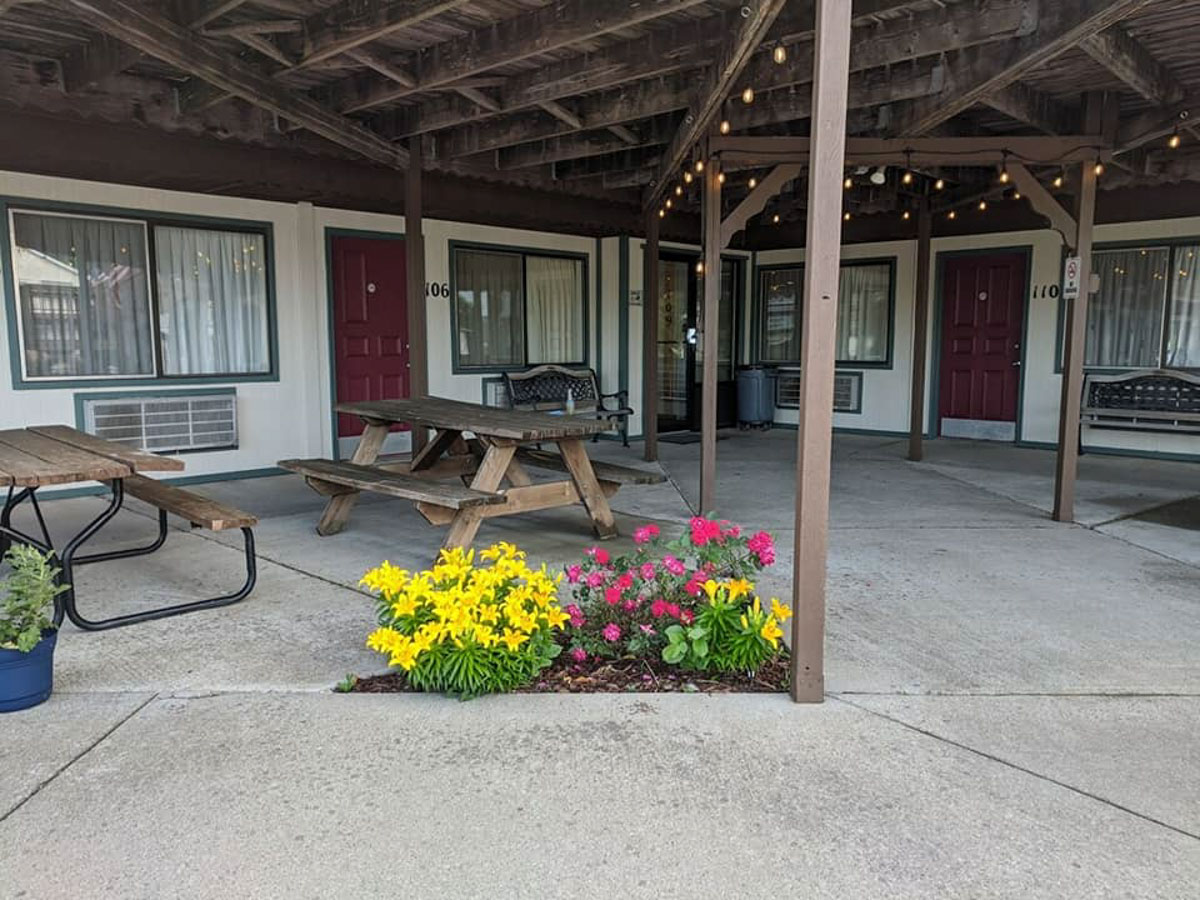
(515, 309)
(89, 309)
(864, 330)
(1146, 313)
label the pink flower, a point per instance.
(672, 610)
(762, 547)
(693, 585)
(648, 571)
(576, 614)
(611, 632)
(578, 654)
(686, 616)
(612, 596)
(645, 534)
(705, 531)
(647, 629)
(672, 565)
(658, 608)
(625, 582)
(630, 605)
(731, 531)
(595, 579)
(574, 573)
(600, 555)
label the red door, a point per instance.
(983, 305)
(370, 323)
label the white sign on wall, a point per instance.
(1071, 278)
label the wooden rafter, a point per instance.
(352, 23)
(538, 31)
(1125, 57)
(979, 72)
(1043, 112)
(175, 45)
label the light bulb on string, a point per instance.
(1016, 195)
(752, 183)
(748, 96)
(983, 206)
(1098, 168)
(724, 127)
(906, 215)
(940, 184)
(662, 213)
(699, 166)
(952, 215)
(687, 177)
(1004, 169)
(779, 54)
(1058, 180)
(679, 190)
(846, 217)
(775, 219)
(907, 177)
(1174, 140)
(848, 183)
(720, 178)
(668, 203)
(700, 268)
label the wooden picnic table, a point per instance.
(496, 452)
(43, 455)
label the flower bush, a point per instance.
(690, 601)
(468, 629)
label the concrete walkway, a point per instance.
(1013, 711)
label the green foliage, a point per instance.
(731, 633)
(686, 646)
(472, 670)
(347, 684)
(28, 598)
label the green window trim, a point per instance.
(150, 218)
(758, 320)
(459, 368)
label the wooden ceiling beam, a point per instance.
(175, 45)
(979, 72)
(898, 41)
(352, 23)
(584, 144)
(219, 10)
(537, 31)
(1024, 104)
(1130, 62)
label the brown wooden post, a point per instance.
(414, 249)
(711, 346)
(831, 67)
(1072, 376)
(1076, 331)
(650, 338)
(916, 428)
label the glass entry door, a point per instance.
(680, 355)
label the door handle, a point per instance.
(1017, 363)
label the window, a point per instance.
(88, 307)
(1147, 311)
(516, 309)
(864, 333)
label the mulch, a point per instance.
(621, 676)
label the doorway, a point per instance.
(680, 354)
(982, 324)
(367, 277)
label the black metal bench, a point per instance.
(1154, 400)
(545, 388)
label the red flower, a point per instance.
(625, 582)
(686, 616)
(612, 596)
(600, 555)
(658, 608)
(704, 531)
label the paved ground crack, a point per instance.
(1019, 768)
(78, 756)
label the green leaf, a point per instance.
(674, 653)
(697, 631)
(675, 633)
(700, 649)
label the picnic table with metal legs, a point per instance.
(491, 458)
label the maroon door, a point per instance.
(370, 323)
(983, 305)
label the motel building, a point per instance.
(351, 208)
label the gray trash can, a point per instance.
(756, 397)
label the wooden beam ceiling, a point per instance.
(157, 36)
(1118, 52)
(976, 73)
(352, 23)
(1023, 103)
(510, 40)
(718, 82)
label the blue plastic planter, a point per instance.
(26, 679)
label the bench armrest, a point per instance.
(622, 398)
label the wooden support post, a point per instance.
(709, 337)
(831, 69)
(1072, 375)
(414, 249)
(650, 338)
(916, 428)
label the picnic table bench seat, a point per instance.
(605, 471)
(200, 511)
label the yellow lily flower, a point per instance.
(780, 611)
(739, 587)
(513, 639)
(771, 631)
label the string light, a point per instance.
(1058, 180)
(1004, 169)
(983, 206)
(748, 96)
(724, 127)
(848, 183)
(662, 213)
(1174, 140)
(752, 183)
(720, 178)
(846, 217)
(1098, 168)
(906, 215)
(679, 190)
(699, 166)
(668, 204)
(779, 54)
(775, 219)
(700, 268)
(907, 177)
(940, 184)
(687, 177)
(952, 215)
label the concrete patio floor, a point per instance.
(1013, 709)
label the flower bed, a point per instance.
(671, 615)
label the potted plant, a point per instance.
(27, 634)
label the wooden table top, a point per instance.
(486, 421)
(58, 454)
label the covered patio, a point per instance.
(1006, 720)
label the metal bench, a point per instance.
(201, 512)
(1154, 400)
(545, 388)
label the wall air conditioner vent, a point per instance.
(164, 423)
(847, 390)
